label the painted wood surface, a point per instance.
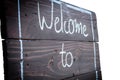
(42, 59)
(87, 76)
(49, 40)
(47, 19)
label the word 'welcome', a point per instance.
(69, 26)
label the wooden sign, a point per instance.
(48, 19)
(49, 40)
(50, 60)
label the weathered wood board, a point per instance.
(47, 19)
(49, 40)
(87, 76)
(43, 60)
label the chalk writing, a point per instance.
(70, 26)
(65, 55)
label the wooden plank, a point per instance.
(86, 76)
(48, 19)
(90, 76)
(43, 59)
(11, 68)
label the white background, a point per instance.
(108, 21)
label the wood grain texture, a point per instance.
(42, 60)
(73, 31)
(87, 76)
(30, 27)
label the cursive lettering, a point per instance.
(66, 54)
(70, 26)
